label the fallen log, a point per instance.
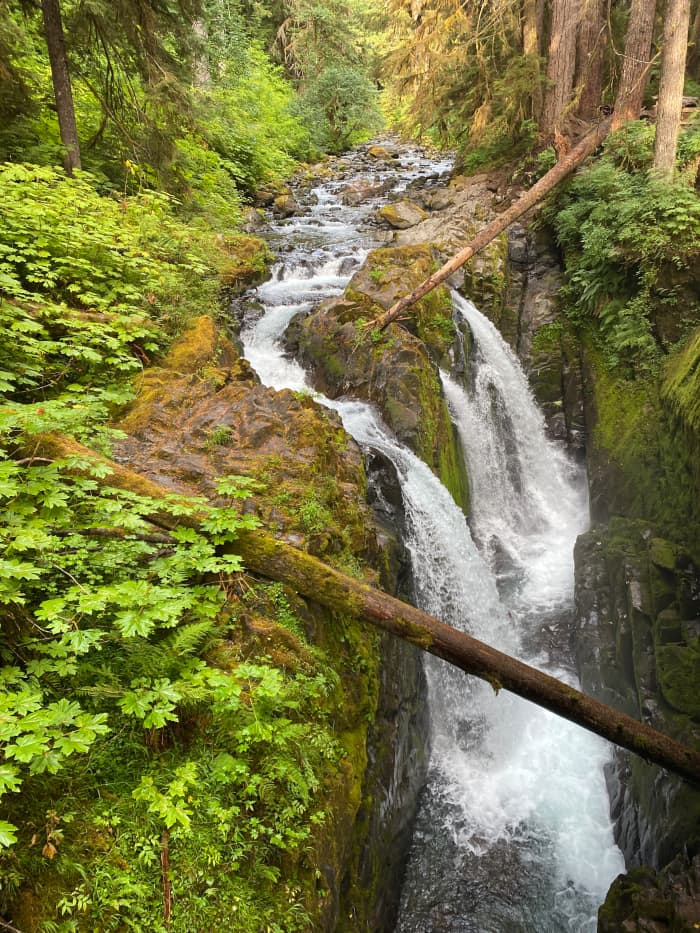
(265, 555)
(564, 167)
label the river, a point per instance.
(513, 832)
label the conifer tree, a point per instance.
(636, 63)
(53, 30)
(668, 117)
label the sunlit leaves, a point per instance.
(89, 574)
(41, 735)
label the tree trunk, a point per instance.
(668, 113)
(200, 65)
(637, 61)
(53, 30)
(276, 560)
(694, 42)
(592, 39)
(561, 62)
(527, 200)
(531, 47)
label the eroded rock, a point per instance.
(285, 206)
(637, 606)
(204, 414)
(646, 901)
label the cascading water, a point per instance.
(523, 839)
(513, 833)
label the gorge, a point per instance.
(507, 786)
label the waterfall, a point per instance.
(513, 832)
(525, 786)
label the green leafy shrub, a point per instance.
(631, 241)
(90, 285)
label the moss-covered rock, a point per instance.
(645, 901)
(379, 152)
(200, 415)
(211, 417)
(681, 385)
(643, 452)
(284, 206)
(392, 368)
(245, 261)
(637, 604)
(402, 214)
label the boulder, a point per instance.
(253, 220)
(402, 214)
(360, 191)
(284, 206)
(646, 901)
(265, 196)
(379, 152)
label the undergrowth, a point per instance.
(631, 243)
(144, 749)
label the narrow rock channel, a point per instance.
(513, 832)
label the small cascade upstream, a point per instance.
(513, 832)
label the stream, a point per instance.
(513, 831)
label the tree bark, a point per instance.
(53, 30)
(668, 112)
(637, 61)
(592, 39)
(694, 42)
(531, 47)
(276, 560)
(527, 200)
(561, 62)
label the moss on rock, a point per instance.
(643, 461)
(402, 214)
(637, 649)
(200, 415)
(392, 368)
(244, 261)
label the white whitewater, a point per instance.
(521, 777)
(514, 833)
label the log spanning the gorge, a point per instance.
(564, 167)
(265, 555)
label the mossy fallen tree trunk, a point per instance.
(564, 167)
(264, 554)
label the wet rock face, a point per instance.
(645, 901)
(515, 282)
(398, 745)
(638, 649)
(209, 416)
(398, 764)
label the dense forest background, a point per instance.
(132, 136)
